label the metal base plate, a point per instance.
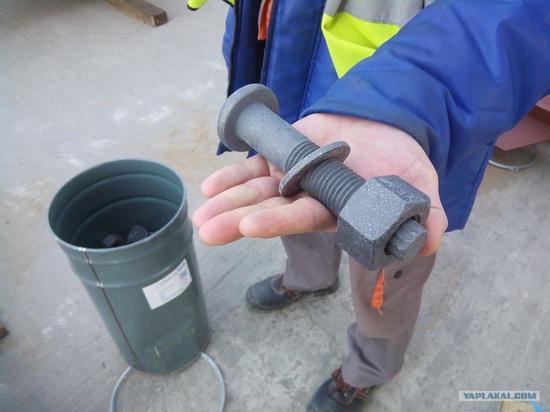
(516, 159)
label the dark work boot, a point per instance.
(271, 294)
(335, 395)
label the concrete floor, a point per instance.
(83, 83)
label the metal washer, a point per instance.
(289, 185)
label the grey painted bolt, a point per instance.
(379, 220)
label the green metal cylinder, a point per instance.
(148, 293)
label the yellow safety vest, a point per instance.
(354, 29)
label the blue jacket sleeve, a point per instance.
(457, 76)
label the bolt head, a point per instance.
(235, 106)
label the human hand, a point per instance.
(244, 200)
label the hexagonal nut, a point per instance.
(373, 214)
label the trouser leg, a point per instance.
(379, 337)
(313, 260)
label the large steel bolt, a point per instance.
(379, 220)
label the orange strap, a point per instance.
(378, 294)
(263, 19)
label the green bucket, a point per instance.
(149, 292)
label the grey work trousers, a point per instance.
(379, 337)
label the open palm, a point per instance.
(243, 199)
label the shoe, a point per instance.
(335, 395)
(271, 294)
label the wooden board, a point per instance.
(147, 12)
(513, 406)
(532, 129)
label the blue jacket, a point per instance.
(456, 77)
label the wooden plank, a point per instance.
(146, 11)
(544, 103)
(513, 406)
(532, 129)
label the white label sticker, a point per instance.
(169, 287)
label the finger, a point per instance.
(234, 175)
(436, 225)
(249, 193)
(224, 228)
(301, 216)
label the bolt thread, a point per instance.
(300, 151)
(332, 184)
